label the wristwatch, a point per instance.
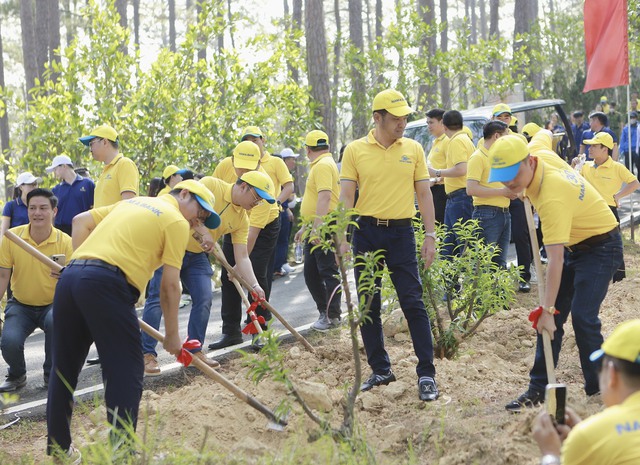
(438, 173)
(431, 234)
(550, 459)
(551, 310)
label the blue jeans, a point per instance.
(496, 229)
(20, 321)
(399, 247)
(282, 246)
(94, 303)
(583, 286)
(459, 208)
(196, 273)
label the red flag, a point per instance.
(606, 43)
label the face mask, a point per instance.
(633, 121)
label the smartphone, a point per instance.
(555, 399)
(60, 259)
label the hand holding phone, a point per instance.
(555, 401)
(60, 259)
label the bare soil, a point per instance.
(467, 425)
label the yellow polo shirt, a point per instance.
(437, 155)
(138, 236)
(260, 215)
(459, 150)
(323, 176)
(121, 175)
(234, 219)
(541, 141)
(385, 176)
(164, 190)
(31, 281)
(611, 437)
(277, 171)
(570, 209)
(607, 178)
(478, 169)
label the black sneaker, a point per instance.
(427, 389)
(378, 380)
(529, 399)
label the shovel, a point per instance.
(546, 337)
(274, 422)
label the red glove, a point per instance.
(185, 356)
(534, 316)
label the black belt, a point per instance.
(492, 207)
(94, 262)
(384, 223)
(456, 193)
(593, 241)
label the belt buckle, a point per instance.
(384, 223)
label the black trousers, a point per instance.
(620, 273)
(262, 257)
(321, 277)
(520, 237)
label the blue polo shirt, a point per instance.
(17, 211)
(590, 134)
(73, 199)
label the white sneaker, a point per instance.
(288, 268)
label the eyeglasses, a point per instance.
(256, 198)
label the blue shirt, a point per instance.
(17, 211)
(73, 199)
(590, 134)
(624, 138)
(577, 132)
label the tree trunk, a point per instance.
(136, 21)
(358, 103)
(296, 25)
(483, 19)
(526, 17)
(202, 42)
(445, 84)
(337, 57)
(494, 28)
(317, 63)
(4, 128)
(427, 89)
(42, 36)
(28, 45)
(121, 8)
(54, 34)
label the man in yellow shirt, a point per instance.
(437, 159)
(33, 286)
(321, 196)
(264, 226)
(459, 205)
(117, 249)
(584, 249)
(490, 200)
(611, 179)
(119, 179)
(611, 437)
(390, 171)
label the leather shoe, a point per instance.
(257, 343)
(225, 341)
(13, 384)
(427, 389)
(524, 287)
(529, 399)
(378, 380)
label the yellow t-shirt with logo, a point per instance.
(277, 171)
(164, 190)
(459, 150)
(611, 437)
(607, 178)
(478, 169)
(234, 219)
(385, 176)
(323, 176)
(437, 155)
(570, 209)
(121, 175)
(138, 236)
(31, 280)
(260, 215)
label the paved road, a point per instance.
(289, 297)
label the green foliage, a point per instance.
(474, 285)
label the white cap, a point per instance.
(57, 161)
(27, 178)
(288, 153)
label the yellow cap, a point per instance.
(246, 155)
(603, 98)
(505, 156)
(624, 343)
(104, 132)
(251, 131)
(500, 109)
(170, 171)
(514, 121)
(603, 138)
(261, 183)
(317, 138)
(530, 129)
(205, 198)
(392, 101)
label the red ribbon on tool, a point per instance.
(534, 316)
(251, 311)
(186, 356)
